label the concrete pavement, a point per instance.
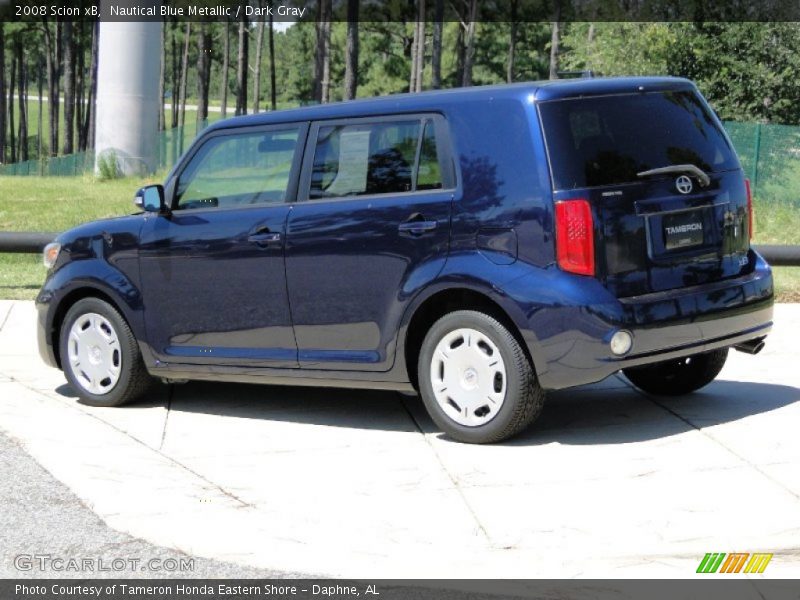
(608, 483)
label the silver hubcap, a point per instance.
(469, 377)
(94, 353)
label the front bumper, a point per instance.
(665, 325)
(44, 330)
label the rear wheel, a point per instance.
(100, 356)
(679, 376)
(475, 379)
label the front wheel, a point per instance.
(475, 379)
(678, 376)
(100, 356)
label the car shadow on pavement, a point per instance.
(66, 390)
(596, 414)
(625, 415)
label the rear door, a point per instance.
(655, 231)
(371, 225)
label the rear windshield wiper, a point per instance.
(701, 175)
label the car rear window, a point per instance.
(606, 140)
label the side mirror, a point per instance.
(150, 199)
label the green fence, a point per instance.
(71, 164)
(770, 156)
(170, 146)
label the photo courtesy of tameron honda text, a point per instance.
(479, 246)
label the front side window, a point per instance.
(388, 157)
(239, 170)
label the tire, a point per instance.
(491, 392)
(679, 376)
(99, 355)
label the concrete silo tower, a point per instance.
(129, 59)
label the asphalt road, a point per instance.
(41, 516)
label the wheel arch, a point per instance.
(443, 300)
(68, 301)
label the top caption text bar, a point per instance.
(387, 10)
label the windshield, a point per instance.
(605, 140)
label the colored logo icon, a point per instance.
(735, 562)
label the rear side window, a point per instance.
(606, 140)
(385, 157)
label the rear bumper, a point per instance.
(664, 325)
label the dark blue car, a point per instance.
(480, 246)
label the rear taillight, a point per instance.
(575, 237)
(749, 207)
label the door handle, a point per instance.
(416, 227)
(263, 237)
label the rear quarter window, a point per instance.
(606, 140)
(383, 157)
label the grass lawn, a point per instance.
(57, 203)
(53, 204)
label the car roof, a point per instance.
(535, 91)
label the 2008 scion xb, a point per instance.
(478, 245)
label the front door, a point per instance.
(213, 270)
(371, 226)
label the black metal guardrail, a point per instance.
(780, 256)
(24, 242)
(32, 242)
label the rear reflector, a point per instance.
(575, 237)
(749, 207)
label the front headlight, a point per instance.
(51, 252)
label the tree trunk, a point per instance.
(272, 91)
(460, 56)
(226, 52)
(68, 66)
(554, 50)
(318, 52)
(55, 98)
(469, 43)
(22, 94)
(3, 94)
(40, 81)
(185, 71)
(326, 63)
(554, 40)
(512, 43)
(91, 108)
(420, 35)
(162, 79)
(175, 76)
(241, 70)
(322, 59)
(418, 49)
(51, 55)
(257, 70)
(12, 82)
(351, 52)
(80, 88)
(436, 54)
(203, 72)
(412, 77)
